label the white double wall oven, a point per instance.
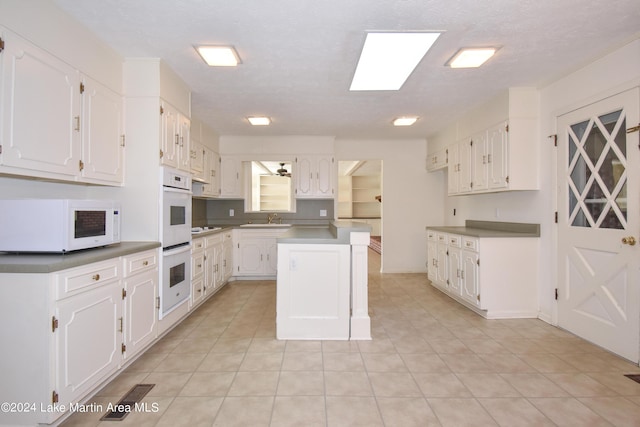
(175, 235)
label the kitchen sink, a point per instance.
(272, 225)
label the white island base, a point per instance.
(322, 283)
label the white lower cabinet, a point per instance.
(256, 252)
(208, 261)
(72, 330)
(497, 277)
(140, 316)
(87, 340)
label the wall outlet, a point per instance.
(323, 212)
(232, 212)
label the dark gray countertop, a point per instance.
(48, 263)
(488, 229)
(338, 233)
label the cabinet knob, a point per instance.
(96, 277)
(145, 263)
(631, 241)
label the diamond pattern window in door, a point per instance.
(597, 172)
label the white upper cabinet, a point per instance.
(437, 160)
(174, 138)
(315, 176)
(231, 177)
(40, 111)
(56, 123)
(496, 147)
(103, 138)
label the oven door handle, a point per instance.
(178, 250)
(176, 190)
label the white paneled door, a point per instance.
(599, 223)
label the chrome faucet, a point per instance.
(270, 217)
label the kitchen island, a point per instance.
(322, 283)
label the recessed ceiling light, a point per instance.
(471, 57)
(387, 59)
(404, 121)
(259, 121)
(219, 56)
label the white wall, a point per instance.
(411, 198)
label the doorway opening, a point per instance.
(360, 196)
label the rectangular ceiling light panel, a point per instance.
(387, 59)
(471, 57)
(219, 56)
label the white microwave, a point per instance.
(57, 225)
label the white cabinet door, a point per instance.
(169, 136)
(230, 177)
(250, 257)
(455, 265)
(198, 157)
(469, 277)
(432, 260)
(184, 130)
(442, 262)
(227, 261)
(479, 157)
(464, 169)
(271, 262)
(102, 134)
(315, 176)
(140, 311)
(40, 111)
(324, 176)
(497, 139)
(453, 175)
(313, 294)
(88, 342)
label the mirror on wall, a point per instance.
(270, 185)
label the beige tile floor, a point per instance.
(431, 363)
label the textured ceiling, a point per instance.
(299, 55)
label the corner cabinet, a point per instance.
(495, 276)
(73, 330)
(315, 176)
(496, 147)
(56, 123)
(256, 252)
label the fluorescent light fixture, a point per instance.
(387, 59)
(219, 56)
(259, 121)
(404, 121)
(471, 57)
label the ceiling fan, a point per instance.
(282, 171)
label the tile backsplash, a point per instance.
(216, 212)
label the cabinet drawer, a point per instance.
(470, 243)
(442, 238)
(227, 235)
(77, 280)
(197, 264)
(432, 236)
(137, 263)
(213, 240)
(197, 245)
(454, 240)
